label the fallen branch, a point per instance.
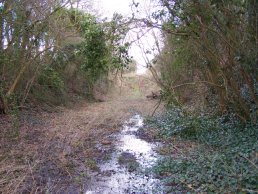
(194, 83)
(156, 107)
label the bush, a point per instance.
(50, 78)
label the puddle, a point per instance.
(127, 170)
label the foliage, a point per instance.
(223, 162)
(209, 55)
(102, 50)
(46, 46)
(116, 31)
(211, 42)
(51, 79)
(93, 49)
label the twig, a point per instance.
(194, 83)
(157, 106)
(249, 191)
(250, 161)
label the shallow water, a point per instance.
(116, 178)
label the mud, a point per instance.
(128, 170)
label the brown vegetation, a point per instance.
(54, 149)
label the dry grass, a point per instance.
(51, 152)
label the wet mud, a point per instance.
(128, 168)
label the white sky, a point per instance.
(108, 7)
(111, 6)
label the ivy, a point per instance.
(102, 48)
(224, 160)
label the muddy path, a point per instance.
(128, 168)
(62, 151)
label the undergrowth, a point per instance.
(225, 160)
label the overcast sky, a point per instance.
(111, 6)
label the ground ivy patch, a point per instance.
(225, 160)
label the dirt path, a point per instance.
(56, 152)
